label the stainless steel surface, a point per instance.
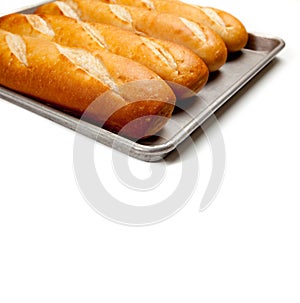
(239, 70)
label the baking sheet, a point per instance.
(240, 68)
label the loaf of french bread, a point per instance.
(174, 63)
(110, 90)
(199, 38)
(231, 30)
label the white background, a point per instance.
(243, 248)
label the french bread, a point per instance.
(170, 61)
(231, 30)
(132, 100)
(200, 39)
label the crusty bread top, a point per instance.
(232, 31)
(200, 39)
(171, 61)
(79, 82)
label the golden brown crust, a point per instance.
(200, 39)
(47, 71)
(235, 35)
(226, 25)
(57, 8)
(170, 61)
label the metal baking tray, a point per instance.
(222, 85)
